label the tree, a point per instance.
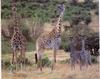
(88, 1)
(73, 2)
(92, 42)
(37, 28)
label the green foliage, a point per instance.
(31, 46)
(88, 4)
(5, 64)
(76, 14)
(64, 43)
(26, 33)
(97, 10)
(94, 59)
(46, 62)
(6, 10)
(6, 48)
(44, 10)
(92, 42)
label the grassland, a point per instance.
(61, 70)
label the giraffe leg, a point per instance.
(55, 51)
(21, 58)
(13, 57)
(37, 59)
(39, 64)
(24, 58)
(52, 67)
(15, 60)
(72, 64)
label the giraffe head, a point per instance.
(61, 9)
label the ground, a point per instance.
(61, 70)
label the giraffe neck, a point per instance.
(83, 44)
(14, 9)
(60, 17)
(15, 16)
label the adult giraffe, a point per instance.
(50, 40)
(18, 41)
(79, 53)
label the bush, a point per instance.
(64, 43)
(31, 46)
(44, 11)
(26, 34)
(6, 48)
(94, 59)
(92, 41)
(5, 64)
(90, 5)
(46, 62)
(87, 20)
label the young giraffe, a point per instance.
(50, 40)
(18, 41)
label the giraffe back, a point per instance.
(48, 40)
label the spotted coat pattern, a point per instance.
(50, 40)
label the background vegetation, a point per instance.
(35, 13)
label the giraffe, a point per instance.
(50, 40)
(78, 53)
(18, 41)
(18, 44)
(84, 54)
(74, 51)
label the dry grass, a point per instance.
(61, 71)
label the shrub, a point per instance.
(26, 34)
(90, 5)
(92, 41)
(64, 43)
(94, 59)
(87, 20)
(6, 48)
(5, 64)
(46, 62)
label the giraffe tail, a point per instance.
(36, 59)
